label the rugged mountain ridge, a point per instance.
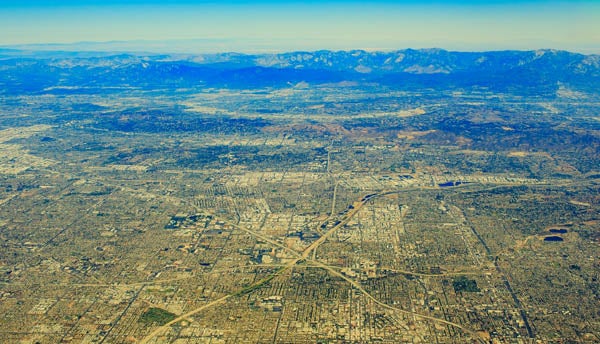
(540, 71)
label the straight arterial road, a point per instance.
(302, 258)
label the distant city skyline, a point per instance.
(275, 26)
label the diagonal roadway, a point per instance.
(304, 256)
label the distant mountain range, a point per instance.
(539, 72)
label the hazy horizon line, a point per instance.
(259, 46)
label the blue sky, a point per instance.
(247, 26)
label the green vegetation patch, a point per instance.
(157, 315)
(464, 284)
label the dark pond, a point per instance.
(451, 183)
(558, 230)
(553, 238)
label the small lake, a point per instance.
(451, 183)
(553, 238)
(558, 230)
